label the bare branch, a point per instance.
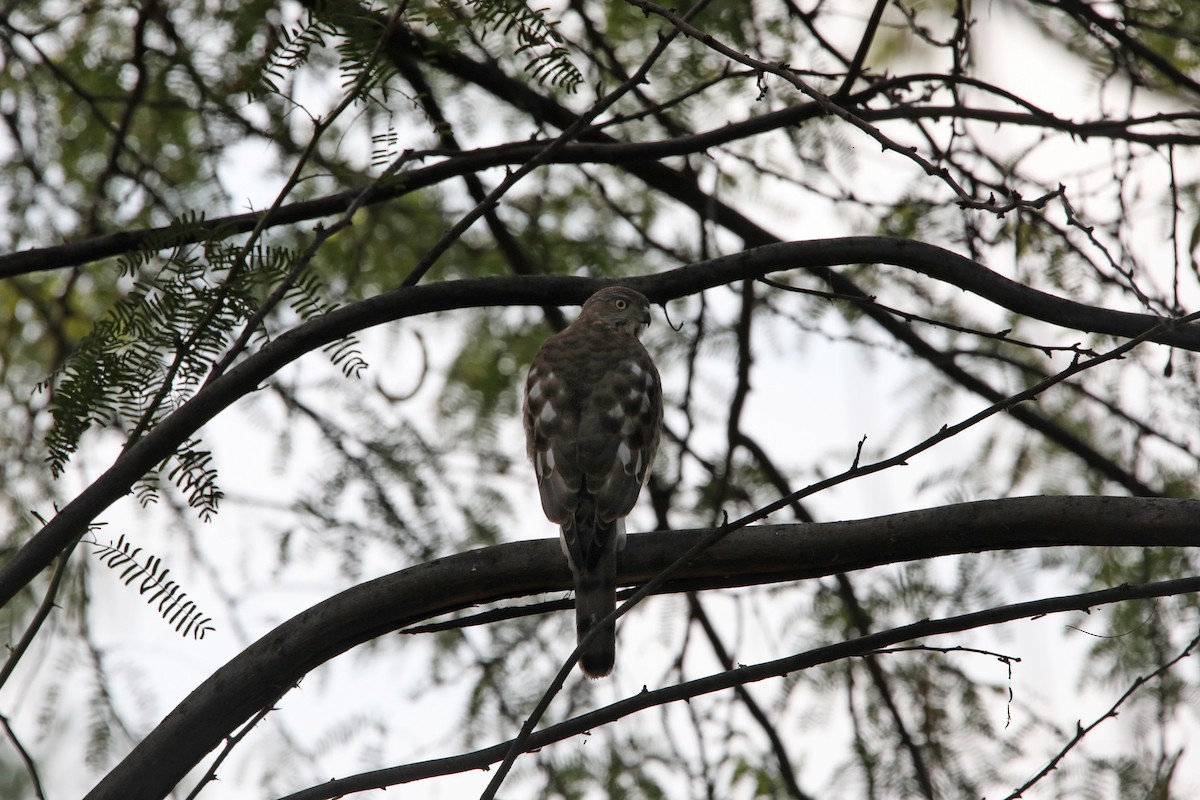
(160, 442)
(43, 611)
(457, 164)
(250, 681)
(481, 759)
(26, 759)
(1087, 17)
(1081, 731)
(854, 68)
(786, 771)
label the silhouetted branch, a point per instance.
(787, 772)
(854, 68)
(1088, 17)
(755, 555)
(26, 759)
(160, 442)
(15, 652)
(457, 164)
(482, 759)
(1081, 731)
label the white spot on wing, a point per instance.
(548, 413)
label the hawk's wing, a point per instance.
(593, 413)
(619, 431)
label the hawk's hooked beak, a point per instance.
(640, 326)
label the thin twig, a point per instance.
(26, 759)
(1081, 732)
(39, 616)
(786, 771)
(965, 199)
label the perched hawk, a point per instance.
(593, 414)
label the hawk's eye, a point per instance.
(621, 304)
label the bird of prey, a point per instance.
(593, 415)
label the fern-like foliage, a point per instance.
(154, 343)
(349, 28)
(292, 51)
(193, 473)
(353, 28)
(536, 36)
(383, 146)
(152, 583)
(153, 349)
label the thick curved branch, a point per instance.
(756, 555)
(927, 259)
(319, 331)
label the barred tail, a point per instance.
(591, 546)
(595, 598)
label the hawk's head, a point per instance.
(620, 308)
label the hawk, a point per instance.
(593, 415)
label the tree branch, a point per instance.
(217, 395)
(1081, 731)
(35, 624)
(855, 67)
(787, 772)
(609, 151)
(1086, 16)
(762, 554)
(26, 759)
(685, 189)
(862, 646)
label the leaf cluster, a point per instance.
(536, 36)
(153, 584)
(152, 350)
(350, 30)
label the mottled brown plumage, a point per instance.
(593, 415)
